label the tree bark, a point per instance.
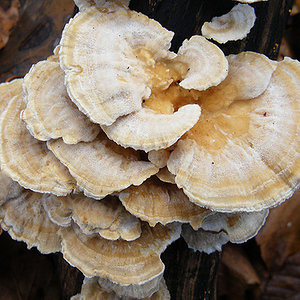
(186, 17)
(190, 275)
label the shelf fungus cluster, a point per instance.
(115, 146)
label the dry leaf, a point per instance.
(280, 236)
(237, 276)
(8, 19)
(284, 284)
(296, 7)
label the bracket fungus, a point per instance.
(232, 26)
(218, 228)
(207, 63)
(108, 218)
(49, 112)
(235, 158)
(25, 159)
(141, 130)
(218, 164)
(101, 167)
(239, 227)
(26, 220)
(126, 263)
(99, 54)
(156, 202)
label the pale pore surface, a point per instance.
(107, 217)
(102, 4)
(232, 26)
(9, 188)
(133, 290)
(100, 54)
(91, 289)
(120, 261)
(207, 63)
(204, 241)
(245, 156)
(239, 227)
(142, 130)
(102, 167)
(219, 228)
(49, 112)
(158, 202)
(26, 220)
(27, 160)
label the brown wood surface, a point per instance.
(188, 275)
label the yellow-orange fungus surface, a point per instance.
(214, 129)
(221, 119)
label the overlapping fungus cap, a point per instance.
(102, 167)
(120, 261)
(157, 202)
(107, 217)
(207, 63)
(100, 52)
(142, 130)
(134, 63)
(219, 228)
(92, 289)
(26, 220)
(49, 113)
(232, 26)
(25, 159)
(243, 155)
